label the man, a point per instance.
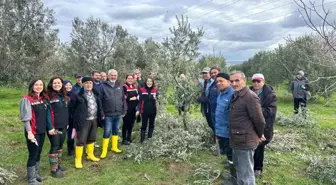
(212, 98)
(103, 76)
(268, 101)
(77, 87)
(96, 80)
(140, 81)
(205, 107)
(300, 90)
(246, 124)
(114, 107)
(222, 114)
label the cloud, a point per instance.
(237, 29)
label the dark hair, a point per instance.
(152, 81)
(52, 93)
(31, 92)
(129, 74)
(215, 67)
(93, 72)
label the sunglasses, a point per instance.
(254, 81)
(236, 80)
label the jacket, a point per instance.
(212, 97)
(113, 99)
(246, 120)
(147, 100)
(300, 88)
(268, 101)
(205, 106)
(76, 88)
(59, 111)
(222, 113)
(79, 109)
(131, 92)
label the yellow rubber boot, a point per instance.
(115, 144)
(90, 152)
(78, 156)
(104, 147)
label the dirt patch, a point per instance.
(178, 167)
(95, 168)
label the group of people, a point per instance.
(242, 118)
(76, 111)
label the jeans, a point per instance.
(112, 124)
(243, 163)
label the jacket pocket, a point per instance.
(238, 136)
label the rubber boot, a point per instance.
(60, 167)
(90, 152)
(37, 169)
(55, 172)
(31, 175)
(115, 144)
(142, 136)
(105, 143)
(78, 157)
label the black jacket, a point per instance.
(113, 99)
(79, 109)
(268, 101)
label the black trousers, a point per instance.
(259, 156)
(208, 118)
(128, 122)
(148, 119)
(297, 103)
(224, 146)
(34, 150)
(88, 133)
(57, 141)
(70, 140)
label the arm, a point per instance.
(50, 119)
(26, 113)
(140, 99)
(292, 87)
(124, 103)
(271, 108)
(255, 113)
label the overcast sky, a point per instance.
(236, 28)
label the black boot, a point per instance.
(142, 135)
(55, 172)
(150, 132)
(31, 175)
(71, 148)
(37, 168)
(60, 167)
(125, 142)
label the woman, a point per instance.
(59, 102)
(131, 93)
(34, 112)
(147, 107)
(71, 142)
(86, 111)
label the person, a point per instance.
(103, 77)
(59, 113)
(212, 98)
(205, 107)
(70, 141)
(268, 101)
(86, 110)
(96, 80)
(114, 107)
(222, 115)
(246, 124)
(77, 87)
(34, 111)
(148, 96)
(135, 77)
(131, 93)
(300, 90)
(139, 80)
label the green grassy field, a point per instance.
(281, 167)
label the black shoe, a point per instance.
(142, 136)
(62, 168)
(58, 173)
(124, 142)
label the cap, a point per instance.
(258, 76)
(87, 78)
(206, 70)
(78, 76)
(223, 75)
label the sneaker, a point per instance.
(96, 145)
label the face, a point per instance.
(138, 74)
(258, 84)
(38, 86)
(214, 73)
(237, 81)
(57, 84)
(96, 76)
(299, 76)
(206, 76)
(88, 85)
(130, 80)
(135, 76)
(222, 83)
(113, 76)
(103, 76)
(79, 80)
(149, 82)
(68, 87)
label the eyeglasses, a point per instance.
(236, 80)
(254, 81)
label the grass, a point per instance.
(281, 168)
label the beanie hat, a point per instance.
(66, 81)
(301, 72)
(87, 78)
(223, 75)
(258, 76)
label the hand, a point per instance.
(31, 136)
(134, 98)
(103, 117)
(137, 113)
(262, 138)
(123, 115)
(52, 132)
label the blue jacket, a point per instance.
(222, 113)
(205, 106)
(212, 97)
(76, 88)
